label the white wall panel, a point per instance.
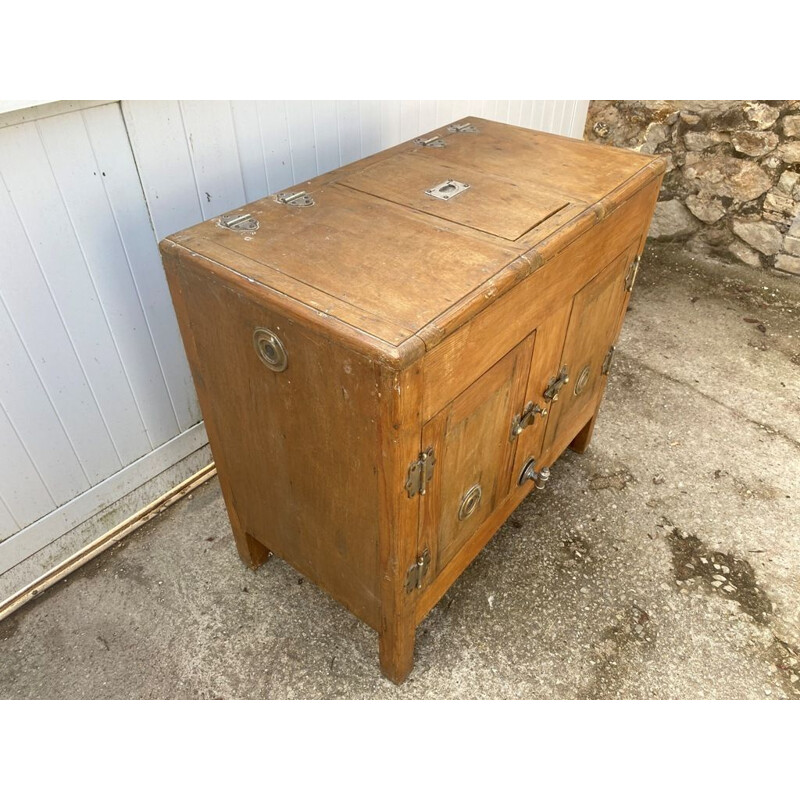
(93, 377)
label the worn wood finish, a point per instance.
(399, 441)
(491, 204)
(592, 330)
(410, 323)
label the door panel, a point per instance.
(593, 327)
(545, 363)
(474, 453)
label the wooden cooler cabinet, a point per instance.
(389, 357)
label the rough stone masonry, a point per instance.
(732, 185)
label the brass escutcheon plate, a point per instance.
(270, 349)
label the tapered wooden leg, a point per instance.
(251, 551)
(397, 649)
(581, 441)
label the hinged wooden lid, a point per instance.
(373, 246)
(489, 203)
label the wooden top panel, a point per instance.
(581, 170)
(378, 259)
(491, 204)
(376, 253)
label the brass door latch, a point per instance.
(528, 417)
(556, 385)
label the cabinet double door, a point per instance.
(529, 405)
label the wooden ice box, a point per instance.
(390, 357)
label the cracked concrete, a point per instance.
(612, 583)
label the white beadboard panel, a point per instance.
(55, 305)
(160, 144)
(369, 115)
(115, 314)
(327, 135)
(8, 524)
(23, 494)
(32, 413)
(302, 142)
(214, 155)
(349, 130)
(46, 530)
(153, 352)
(247, 129)
(93, 376)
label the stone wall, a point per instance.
(732, 186)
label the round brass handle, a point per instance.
(470, 502)
(270, 349)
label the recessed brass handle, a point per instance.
(270, 349)
(583, 379)
(470, 502)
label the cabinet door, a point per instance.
(545, 363)
(594, 324)
(474, 456)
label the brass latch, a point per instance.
(607, 360)
(417, 571)
(556, 385)
(630, 275)
(528, 417)
(420, 473)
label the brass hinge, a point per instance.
(417, 571)
(464, 127)
(528, 417)
(556, 385)
(420, 473)
(607, 360)
(630, 275)
(300, 198)
(431, 141)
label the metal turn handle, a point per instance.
(528, 473)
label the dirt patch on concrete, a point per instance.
(695, 564)
(616, 648)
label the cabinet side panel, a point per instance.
(297, 450)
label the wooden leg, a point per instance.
(581, 441)
(397, 649)
(251, 551)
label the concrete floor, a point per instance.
(603, 586)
